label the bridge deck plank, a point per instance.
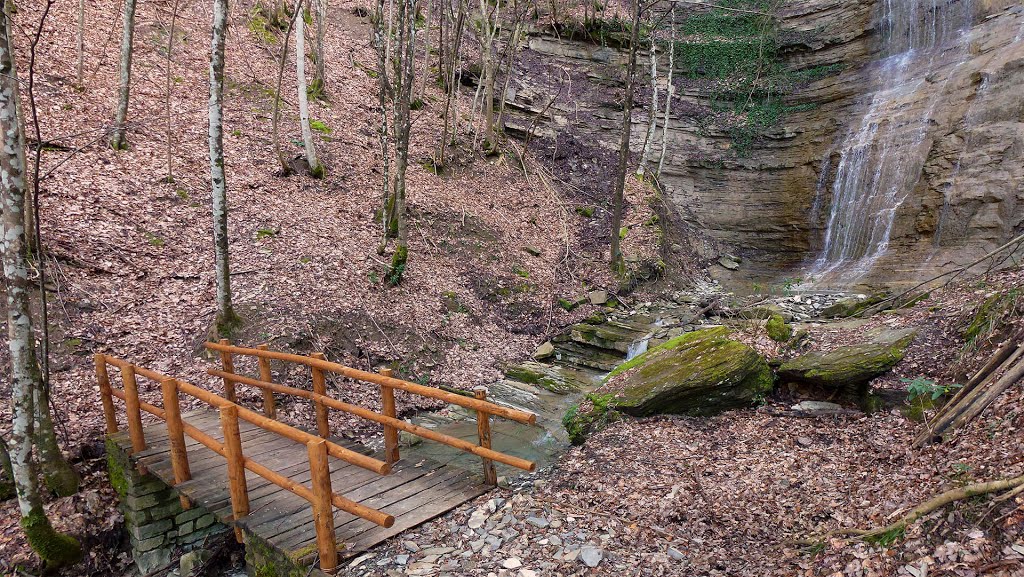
(415, 491)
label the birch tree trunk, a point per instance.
(652, 114)
(617, 263)
(315, 169)
(670, 91)
(119, 141)
(319, 85)
(58, 474)
(54, 548)
(227, 320)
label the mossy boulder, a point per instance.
(851, 306)
(697, 373)
(850, 367)
(777, 329)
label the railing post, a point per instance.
(323, 427)
(323, 511)
(105, 395)
(228, 366)
(131, 401)
(483, 429)
(236, 465)
(269, 408)
(176, 435)
(387, 395)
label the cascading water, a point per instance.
(881, 159)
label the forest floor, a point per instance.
(130, 253)
(733, 494)
(131, 275)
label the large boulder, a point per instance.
(851, 367)
(697, 373)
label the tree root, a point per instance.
(1015, 484)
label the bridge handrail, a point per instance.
(388, 416)
(381, 379)
(320, 496)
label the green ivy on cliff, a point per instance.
(733, 52)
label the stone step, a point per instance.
(579, 356)
(611, 335)
(554, 378)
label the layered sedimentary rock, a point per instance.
(772, 205)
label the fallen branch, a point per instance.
(959, 412)
(1002, 359)
(897, 299)
(937, 502)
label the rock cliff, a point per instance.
(770, 203)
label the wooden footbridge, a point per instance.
(308, 495)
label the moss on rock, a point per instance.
(850, 366)
(989, 313)
(777, 329)
(849, 307)
(697, 373)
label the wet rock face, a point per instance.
(771, 207)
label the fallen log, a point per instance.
(976, 396)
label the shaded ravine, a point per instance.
(579, 359)
(573, 365)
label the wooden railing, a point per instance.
(320, 495)
(388, 417)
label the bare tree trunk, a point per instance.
(118, 141)
(405, 79)
(382, 44)
(167, 91)
(227, 320)
(7, 478)
(451, 79)
(80, 46)
(652, 121)
(617, 263)
(319, 86)
(315, 169)
(490, 22)
(426, 50)
(58, 474)
(275, 119)
(56, 549)
(511, 49)
(670, 91)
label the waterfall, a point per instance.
(637, 348)
(881, 158)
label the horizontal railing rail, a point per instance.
(320, 495)
(388, 417)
